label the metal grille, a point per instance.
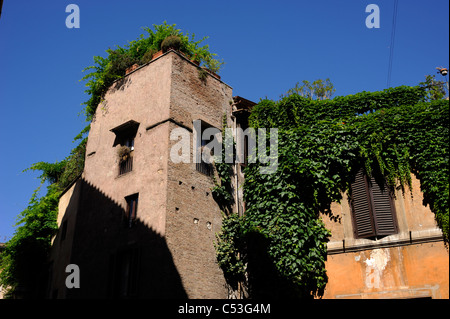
(126, 165)
(204, 168)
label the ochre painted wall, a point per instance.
(414, 263)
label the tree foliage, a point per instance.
(318, 89)
(23, 262)
(322, 144)
(435, 90)
(26, 252)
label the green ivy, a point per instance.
(228, 246)
(23, 262)
(322, 144)
(222, 190)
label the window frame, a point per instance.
(125, 136)
(132, 209)
(202, 166)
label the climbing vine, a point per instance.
(22, 264)
(222, 190)
(322, 144)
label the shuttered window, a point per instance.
(372, 207)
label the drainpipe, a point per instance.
(236, 192)
(236, 172)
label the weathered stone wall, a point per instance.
(172, 239)
(193, 217)
(142, 96)
(62, 247)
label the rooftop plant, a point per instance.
(162, 37)
(171, 42)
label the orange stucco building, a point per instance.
(412, 263)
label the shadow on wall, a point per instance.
(264, 280)
(115, 260)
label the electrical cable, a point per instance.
(391, 48)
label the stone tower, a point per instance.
(136, 223)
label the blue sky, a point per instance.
(268, 46)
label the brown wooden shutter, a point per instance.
(364, 225)
(383, 209)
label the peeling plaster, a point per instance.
(375, 266)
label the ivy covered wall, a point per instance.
(322, 144)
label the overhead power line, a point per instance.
(391, 47)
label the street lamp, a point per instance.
(443, 72)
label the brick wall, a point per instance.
(172, 238)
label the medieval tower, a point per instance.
(136, 223)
